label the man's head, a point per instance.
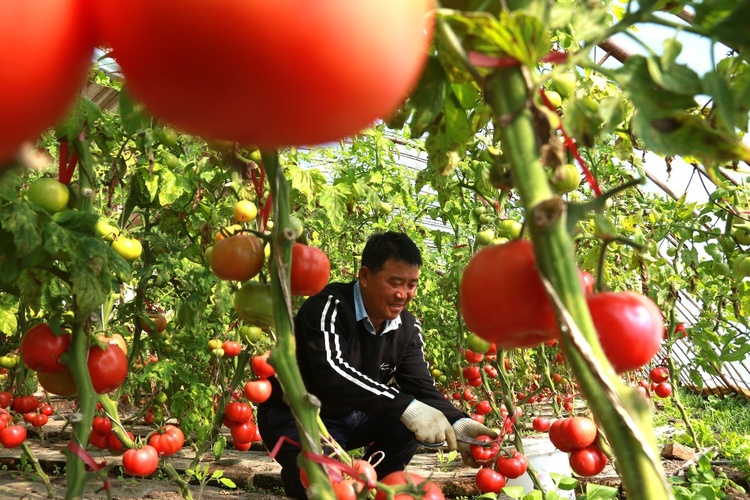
(388, 276)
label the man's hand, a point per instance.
(428, 424)
(470, 428)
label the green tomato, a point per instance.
(742, 236)
(8, 361)
(129, 248)
(296, 224)
(385, 208)
(251, 334)
(564, 83)
(105, 230)
(486, 218)
(160, 398)
(720, 268)
(254, 304)
(50, 194)
(510, 228)
(477, 343)
(479, 210)
(565, 178)
(485, 237)
(218, 352)
(169, 137)
(171, 161)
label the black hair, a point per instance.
(390, 245)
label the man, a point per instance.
(353, 339)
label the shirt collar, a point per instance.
(361, 314)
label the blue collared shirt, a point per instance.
(361, 314)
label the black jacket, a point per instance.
(348, 368)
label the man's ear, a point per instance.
(363, 275)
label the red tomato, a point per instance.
(367, 474)
(261, 366)
(108, 368)
(12, 436)
(140, 462)
(555, 435)
(358, 61)
(60, 383)
(473, 357)
(629, 326)
(490, 481)
(484, 407)
(243, 432)
(484, 454)
(6, 398)
(469, 395)
(428, 489)
(310, 271)
(41, 348)
(541, 424)
(258, 391)
(513, 466)
(168, 441)
(517, 315)
(659, 374)
(239, 257)
(39, 420)
(46, 409)
(25, 404)
(114, 445)
(663, 390)
(48, 45)
(102, 425)
(231, 348)
(578, 432)
(491, 371)
(238, 412)
(98, 440)
(472, 371)
(588, 461)
(241, 446)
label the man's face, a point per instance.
(388, 292)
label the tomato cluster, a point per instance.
(658, 383)
(348, 481)
(496, 465)
(238, 416)
(578, 437)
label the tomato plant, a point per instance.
(49, 45)
(383, 42)
(629, 326)
(238, 257)
(310, 270)
(509, 316)
(140, 461)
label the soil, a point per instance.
(254, 472)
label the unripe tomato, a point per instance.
(60, 383)
(203, 90)
(254, 304)
(154, 323)
(128, 248)
(565, 178)
(50, 194)
(245, 211)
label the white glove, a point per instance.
(428, 424)
(470, 428)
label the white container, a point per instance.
(545, 459)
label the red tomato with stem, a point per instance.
(25, 404)
(428, 489)
(49, 46)
(509, 316)
(629, 326)
(358, 60)
(102, 425)
(663, 390)
(310, 271)
(39, 420)
(261, 367)
(258, 391)
(41, 348)
(473, 357)
(484, 407)
(588, 461)
(108, 368)
(472, 371)
(238, 257)
(541, 424)
(659, 374)
(243, 432)
(12, 436)
(489, 480)
(484, 454)
(512, 466)
(367, 474)
(140, 462)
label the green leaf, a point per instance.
(565, 483)
(600, 492)
(22, 221)
(333, 200)
(225, 481)
(131, 116)
(730, 29)
(514, 491)
(428, 97)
